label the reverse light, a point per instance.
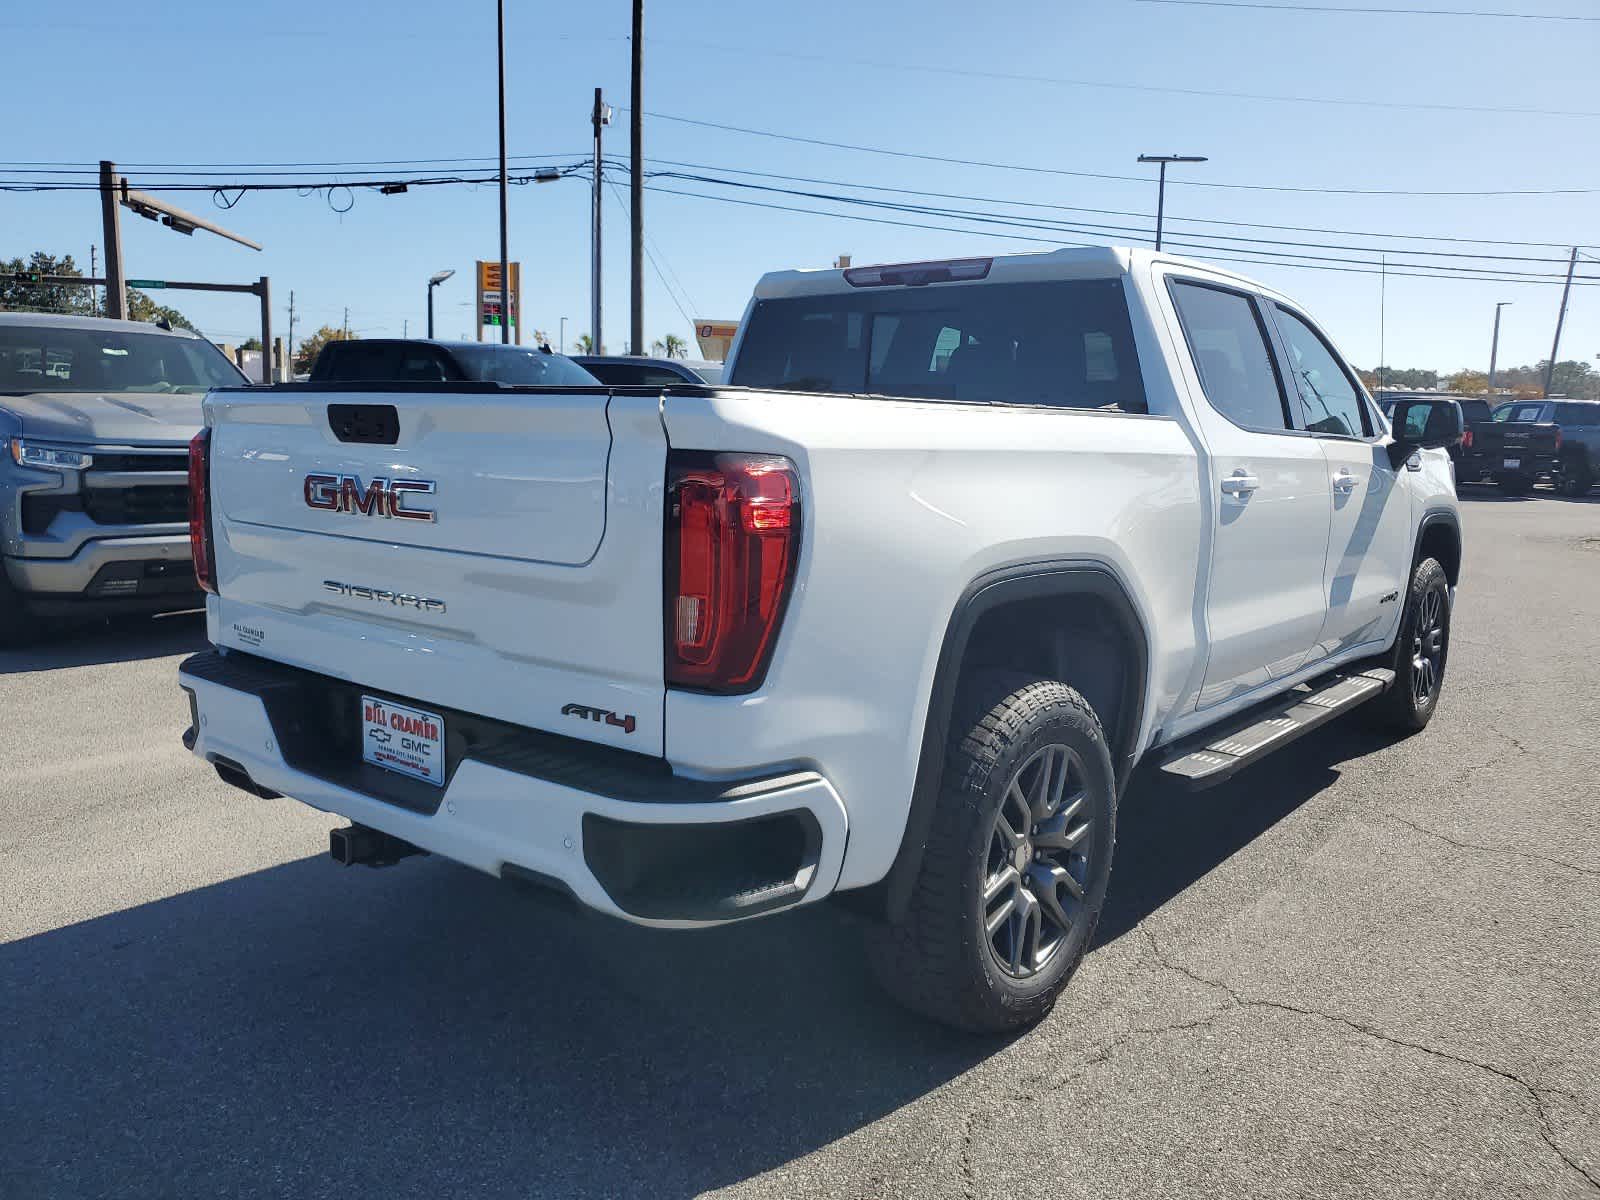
(30, 454)
(732, 538)
(200, 543)
(955, 270)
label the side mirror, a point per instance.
(1424, 424)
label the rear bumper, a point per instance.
(619, 832)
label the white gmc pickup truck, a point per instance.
(896, 612)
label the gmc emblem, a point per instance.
(380, 498)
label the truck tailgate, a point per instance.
(495, 551)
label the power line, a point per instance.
(1207, 242)
(1140, 179)
(835, 62)
(1589, 280)
(1371, 10)
(650, 256)
(1119, 212)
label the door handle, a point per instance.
(1344, 482)
(1240, 483)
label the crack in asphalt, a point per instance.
(1536, 1094)
(1460, 845)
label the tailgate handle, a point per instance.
(373, 424)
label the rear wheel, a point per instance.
(1420, 653)
(1015, 871)
(1577, 477)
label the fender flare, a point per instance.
(1063, 579)
(1449, 519)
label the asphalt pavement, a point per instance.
(1360, 969)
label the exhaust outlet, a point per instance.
(370, 847)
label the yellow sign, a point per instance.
(715, 337)
(492, 304)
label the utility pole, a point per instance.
(563, 335)
(266, 331)
(94, 273)
(111, 217)
(1494, 347)
(288, 351)
(636, 183)
(1161, 186)
(347, 322)
(507, 312)
(600, 118)
(1561, 319)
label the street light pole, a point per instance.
(1561, 319)
(563, 335)
(1494, 346)
(636, 184)
(434, 281)
(506, 313)
(1161, 185)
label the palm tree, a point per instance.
(675, 346)
(585, 344)
(659, 348)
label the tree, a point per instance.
(250, 344)
(1571, 378)
(142, 308)
(675, 346)
(584, 343)
(1467, 382)
(42, 297)
(306, 353)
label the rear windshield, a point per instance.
(1474, 410)
(1066, 344)
(624, 374)
(1519, 413)
(514, 365)
(48, 358)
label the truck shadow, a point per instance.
(427, 1030)
(1168, 838)
(120, 639)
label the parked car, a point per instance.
(629, 371)
(1557, 440)
(419, 360)
(95, 422)
(892, 615)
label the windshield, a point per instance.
(52, 358)
(1067, 344)
(1521, 413)
(514, 365)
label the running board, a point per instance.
(1220, 753)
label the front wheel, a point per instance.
(1420, 652)
(1017, 863)
(1576, 477)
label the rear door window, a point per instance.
(1229, 346)
(1066, 344)
(1520, 413)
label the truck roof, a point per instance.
(104, 324)
(1071, 262)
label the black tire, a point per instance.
(944, 959)
(1421, 652)
(1577, 477)
(18, 626)
(1515, 485)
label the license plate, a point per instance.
(1511, 464)
(407, 741)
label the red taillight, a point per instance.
(200, 547)
(1466, 440)
(733, 534)
(1558, 439)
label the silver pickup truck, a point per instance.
(95, 422)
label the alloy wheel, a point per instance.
(1427, 648)
(1037, 866)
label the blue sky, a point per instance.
(298, 83)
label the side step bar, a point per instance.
(1222, 752)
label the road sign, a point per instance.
(147, 283)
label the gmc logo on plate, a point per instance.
(380, 498)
